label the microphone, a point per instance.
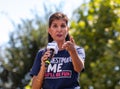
(53, 50)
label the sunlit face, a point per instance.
(58, 30)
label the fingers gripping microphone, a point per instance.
(47, 62)
(53, 50)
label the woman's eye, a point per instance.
(54, 26)
(63, 26)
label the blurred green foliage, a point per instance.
(24, 42)
(97, 29)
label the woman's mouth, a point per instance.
(59, 35)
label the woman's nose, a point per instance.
(59, 29)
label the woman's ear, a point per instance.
(68, 29)
(49, 31)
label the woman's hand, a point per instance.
(45, 57)
(69, 45)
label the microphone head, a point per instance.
(53, 45)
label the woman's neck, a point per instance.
(60, 45)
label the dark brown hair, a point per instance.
(57, 16)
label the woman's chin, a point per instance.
(59, 40)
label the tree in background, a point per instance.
(24, 43)
(97, 29)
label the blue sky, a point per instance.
(14, 10)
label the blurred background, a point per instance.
(94, 24)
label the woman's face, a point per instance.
(58, 30)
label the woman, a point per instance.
(65, 66)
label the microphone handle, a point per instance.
(47, 62)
